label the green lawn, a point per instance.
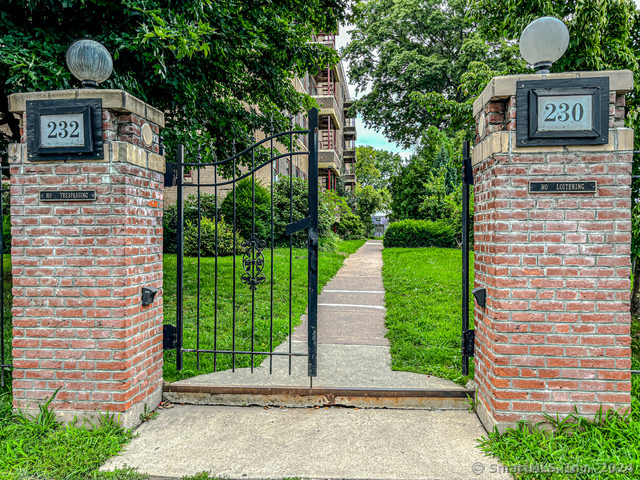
(424, 310)
(328, 265)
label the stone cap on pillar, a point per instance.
(620, 81)
(117, 100)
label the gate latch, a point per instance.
(468, 342)
(169, 337)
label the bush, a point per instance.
(170, 219)
(351, 227)
(329, 242)
(244, 209)
(420, 233)
(330, 207)
(282, 206)
(207, 207)
(170, 229)
(208, 238)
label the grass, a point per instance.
(40, 447)
(423, 299)
(6, 327)
(246, 332)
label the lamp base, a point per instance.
(89, 84)
(543, 68)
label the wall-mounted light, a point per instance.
(90, 62)
(543, 42)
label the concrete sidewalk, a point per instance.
(332, 443)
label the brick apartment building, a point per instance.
(336, 134)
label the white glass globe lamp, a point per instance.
(543, 42)
(90, 62)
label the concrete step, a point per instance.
(286, 396)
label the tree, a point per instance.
(220, 70)
(400, 47)
(439, 153)
(367, 172)
(603, 35)
(376, 167)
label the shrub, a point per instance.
(328, 242)
(329, 208)
(281, 209)
(208, 238)
(244, 209)
(170, 229)
(170, 219)
(420, 233)
(207, 207)
(351, 226)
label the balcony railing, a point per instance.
(326, 39)
(324, 89)
(349, 144)
(350, 122)
(329, 140)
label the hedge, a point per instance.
(420, 233)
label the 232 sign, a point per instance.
(63, 130)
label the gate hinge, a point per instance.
(169, 337)
(468, 342)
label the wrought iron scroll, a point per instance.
(253, 262)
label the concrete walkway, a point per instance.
(352, 348)
(319, 443)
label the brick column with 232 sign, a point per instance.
(552, 232)
(87, 186)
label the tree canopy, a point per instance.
(220, 70)
(425, 61)
(399, 47)
(376, 167)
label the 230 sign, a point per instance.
(570, 112)
(560, 113)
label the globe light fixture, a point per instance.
(543, 42)
(90, 62)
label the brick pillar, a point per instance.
(555, 332)
(79, 266)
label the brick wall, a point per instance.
(555, 333)
(78, 270)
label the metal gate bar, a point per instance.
(467, 180)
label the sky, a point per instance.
(367, 136)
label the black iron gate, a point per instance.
(253, 261)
